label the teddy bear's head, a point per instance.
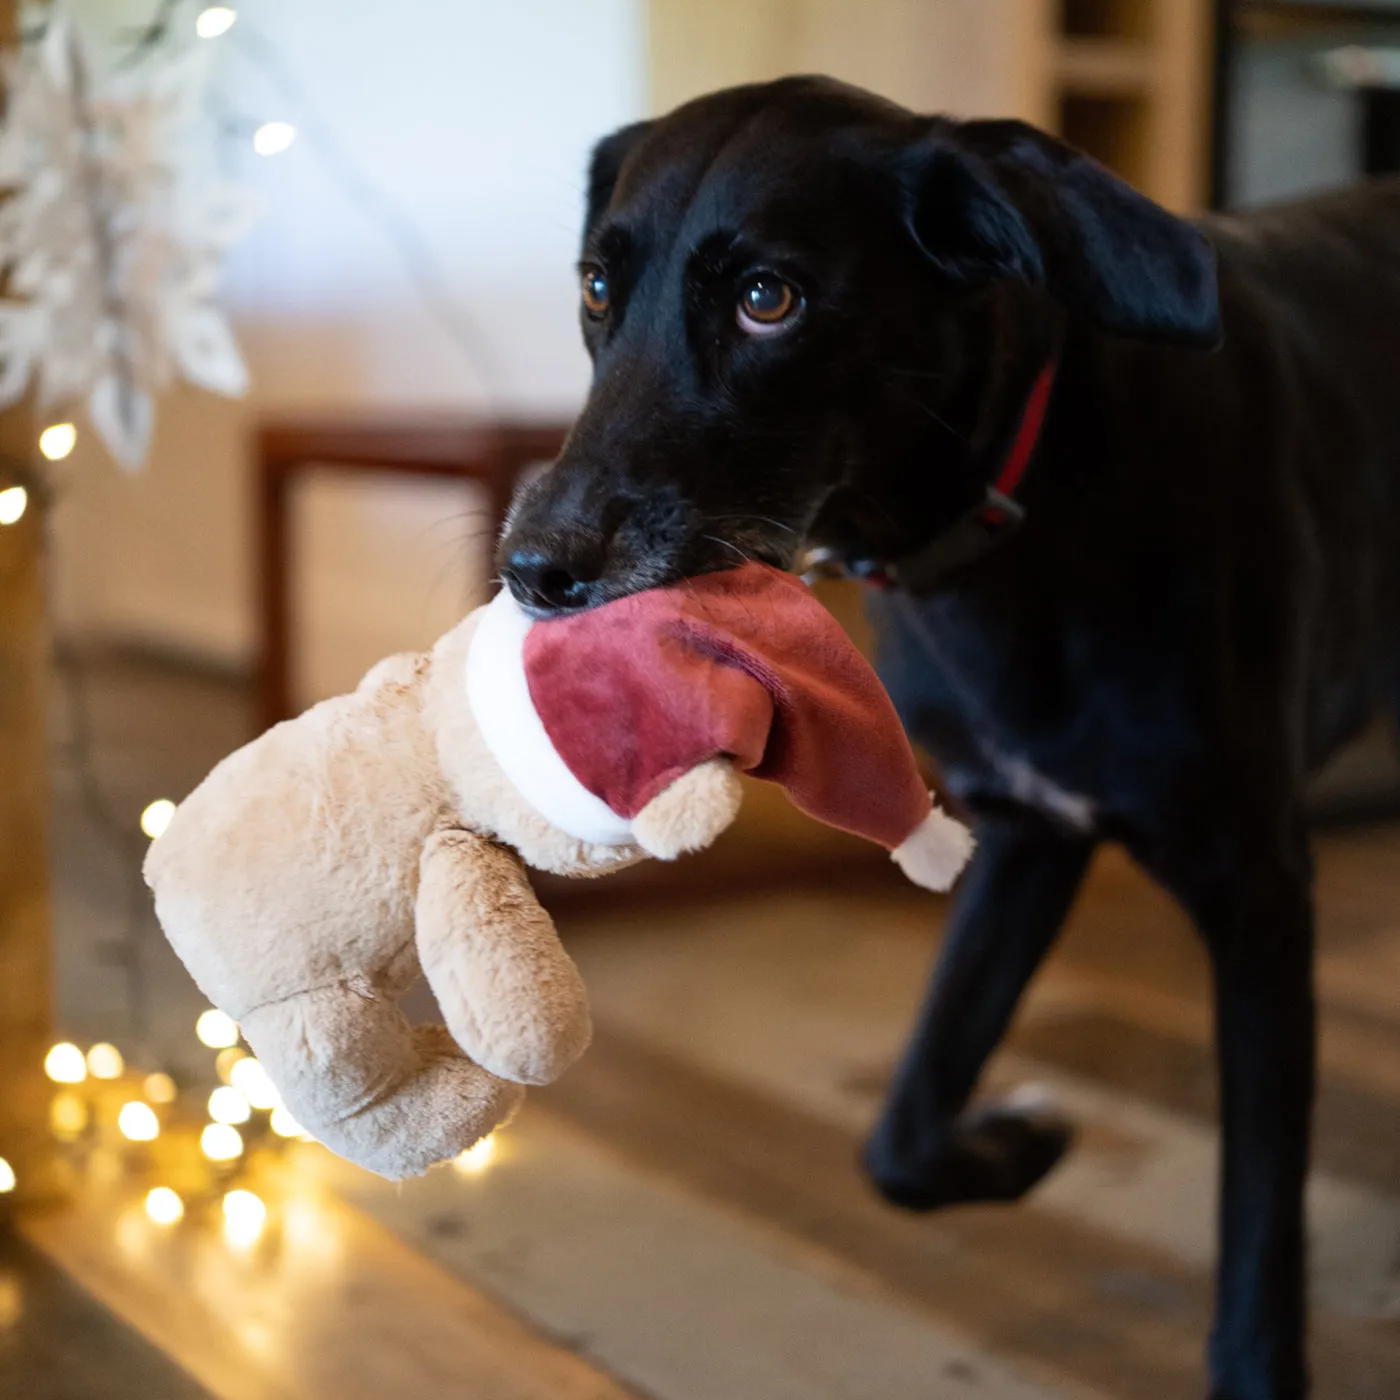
(501, 795)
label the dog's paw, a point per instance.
(995, 1152)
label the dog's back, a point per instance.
(1311, 301)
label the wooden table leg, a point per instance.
(500, 487)
(512, 461)
(25, 926)
(274, 568)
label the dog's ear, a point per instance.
(605, 165)
(964, 222)
(999, 198)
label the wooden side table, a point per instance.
(491, 452)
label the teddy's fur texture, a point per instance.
(315, 873)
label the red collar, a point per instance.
(1023, 447)
(996, 514)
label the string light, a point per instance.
(156, 817)
(58, 440)
(244, 1217)
(7, 1178)
(221, 1142)
(216, 20)
(227, 1105)
(138, 1121)
(226, 1060)
(216, 1030)
(68, 1116)
(272, 138)
(159, 1088)
(283, 1124)
(251, 1080)
(164, 1206)
(104, 1061)
(65, 1064)
(13, 500)
(477, 1157)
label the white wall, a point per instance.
(475, 118)
(967, 57)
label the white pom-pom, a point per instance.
(934, 853)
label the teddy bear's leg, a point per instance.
(510, 994)
(386, 1095)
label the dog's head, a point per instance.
(807, 310)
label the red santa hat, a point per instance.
(592, 714)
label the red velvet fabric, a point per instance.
(744, 663)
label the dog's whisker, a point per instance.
(730, 545)
(759, 520)
(931, 413)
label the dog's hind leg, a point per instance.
(929, 1149)
(1249, 890)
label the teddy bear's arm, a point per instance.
(510, 994)
(690, 813)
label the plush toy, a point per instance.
(315, 873)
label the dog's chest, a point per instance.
(1048, 717)
(1025, 784)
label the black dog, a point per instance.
(818, 318)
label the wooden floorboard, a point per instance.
(327, 1306)
(1105, 1315)
(676, 1292)
(57, 1342)
(1357, 1131)
(1115, 1316)
(683, 1218)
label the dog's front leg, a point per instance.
(929, 1150)
(1257, 921)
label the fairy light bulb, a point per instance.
(66, 1064)
(283, 1124)
(104, 1061)
(221, 1142)
(156, 817)
(477, 1157)
(251, 1080)
(215, 20)
(7, 1178)
(14, 500)
(244, 1218)
(164, 1206)
(272, 138)
(138, 1121)
(159, 1088)
(68, 1116)
(227, 1105)
(216, 1030)
(58, 440)
(225, 1061)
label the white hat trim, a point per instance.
(934, 853)
(499, 696)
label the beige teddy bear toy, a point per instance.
(315, 873)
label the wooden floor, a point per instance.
(682, 1218)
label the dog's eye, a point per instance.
(595, 290)
(767, 304)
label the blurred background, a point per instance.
(682, 1217)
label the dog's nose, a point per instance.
(556, 578)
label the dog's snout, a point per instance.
(555, 575)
